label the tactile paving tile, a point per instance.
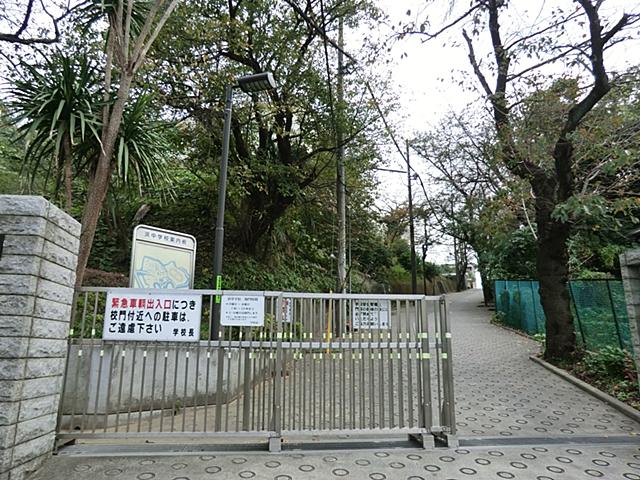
(531, 462)
(500, 392)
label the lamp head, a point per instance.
(257, 82)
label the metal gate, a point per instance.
(322, 364)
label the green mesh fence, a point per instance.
(598, 306)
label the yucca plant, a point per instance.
(54, 105)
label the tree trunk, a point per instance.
(99, 184)
(68, 172)
(552, 260)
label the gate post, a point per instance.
(449, 407)
(38, 254)
(630, 269)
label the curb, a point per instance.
(622, 407)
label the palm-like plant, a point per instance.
(54, 107)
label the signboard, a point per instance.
(287, 310)
(152, 317)
(242, 310)
(161, 258)
(370, 314)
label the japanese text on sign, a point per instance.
(370, 314)
(152, 317)
(247, 311)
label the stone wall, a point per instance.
(38, 254)
(630, 269)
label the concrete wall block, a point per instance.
(7, 433)
(14, 326)
(59, 256)
(9, 390)
(61, 237)
(630, 258)
(45, 328)
(56, 273)
(28, 205)
(12, 225)
(13, 347)
(16, 305)
(54, 291)
(12, 368)
(24, 452)
(25, 471)
(47, 348)
(64, 221)
(22, 244)
(36, 427)
(51, 310)
(37, 407)
(18, 284)
(44, 367)
(40, 387)
(9, 412)
(20, 264)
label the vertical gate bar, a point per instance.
(219, 379)
(412, 336)
(153, 385)
(113, 359)
(164, 388)
(333, 319)
(130, 402)
(306, 324)
(228, 398)
(271, 362)
(98, 384)
(184, 389)
(381, 381)
(277, 422)
(323, 366)
(65, 379)
(342, 358)
(372, 393)
(449, 377)
(401, 356)
(175, 388)
(437, 319)
(352, 365)
(362, 377)
(85, 408)
(238, 400)
(246, 401)
(196, 386)
(144, 370)
(426, 366)
(392, 392)
(263, 380)
(208, 371)
(120, 380)
(312, 391)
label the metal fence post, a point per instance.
(575, 308)
(425, 370)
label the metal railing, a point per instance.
(321, 363)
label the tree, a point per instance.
(552, 175)
(21, 22)
(54, 107)
(126, 51)
(283, 140)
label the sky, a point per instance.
(425, 75)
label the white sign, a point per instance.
(152, 317)
(287, 310)
(240, 310)
(161, 258)
(370, 314)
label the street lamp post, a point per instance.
(248, 84)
